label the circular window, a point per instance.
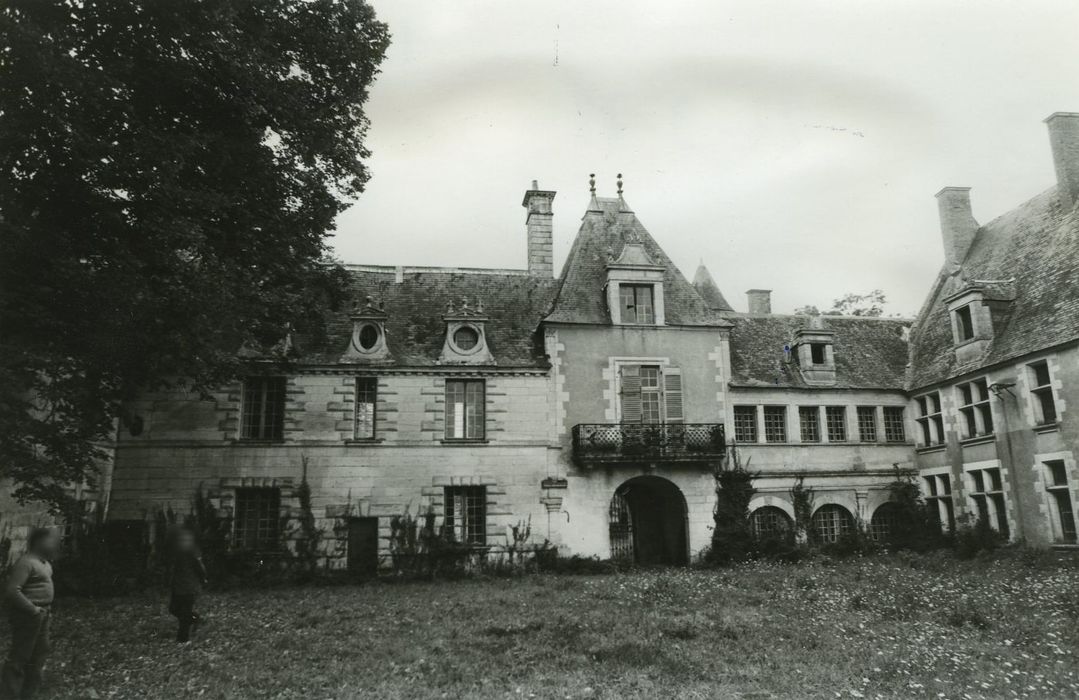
(369, 335)
(466, 338)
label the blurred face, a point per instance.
(48, 545)
(185, 542)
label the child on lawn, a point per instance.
(28, 597)
(186, 578)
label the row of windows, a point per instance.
(829, 524)
(809, 424)
(257, 522)
(263, 409)
(976, 409)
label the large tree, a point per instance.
(169, 175)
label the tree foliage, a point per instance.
(732, 536)
(868, 304)
(169, 174)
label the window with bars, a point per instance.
(466, 514)
(835, 418)
(465, 409)
(745, 423)
(930, 419)
(867, 423)
(986, 491)
(775, 423)
(1045, 410)
(895, 429)
(263, 408)
(1061, 499)
(637, 303)
(650, 394)
(366, 395)
(975, 408)
(809, 423)
(938, 490)
(257, 518)
(830, 524)
(964, 324)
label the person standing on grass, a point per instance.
(186, 578)
(28, 595)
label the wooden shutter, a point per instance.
(630, 381)
(672, 394)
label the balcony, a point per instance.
(607, 443)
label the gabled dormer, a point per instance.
(635, 286)
(814, 350)
(974, 310)
(466, 336)
(368, 341)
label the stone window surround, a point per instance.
(1026, 384)
(794, 422)
(975, 406)
(934, 473)
(613, 378)
(617, 277)
(1005, 488)
(1047, 508)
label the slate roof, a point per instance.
(605, 229)
(513, 301)
(1036, 243)
(708, 289)
(870, 353)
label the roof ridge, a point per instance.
(414, 269)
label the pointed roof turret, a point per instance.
(708, 289)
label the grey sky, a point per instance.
(790, 145)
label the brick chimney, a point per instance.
(760, 301)
(1064, 140)
(540, 226)
(957, 224)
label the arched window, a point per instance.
(886, 522)
(769, 522)
(830, 523)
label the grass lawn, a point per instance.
(878, 627)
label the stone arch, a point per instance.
(830, 523)
(648, 522)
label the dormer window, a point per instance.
(368, 341)
(964, 324)
(369, 336)
(466, 338)
(818, 353)
(638, 305)
(814, 351)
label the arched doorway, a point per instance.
(648, 522)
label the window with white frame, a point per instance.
(775, 423)
(975, 409)
(986, 491)
(809, 423)
(930, 419)
(895, 428)
(830, 524)
(638, 303)
(867, 423)
(650, 394)
(745, 423)
(1045, 410)
(938, 496)
(1056, 480)
(835, 419)
(465, 409)
(366, 394)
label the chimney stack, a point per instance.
(957, 224)
(1064, 140)
(760, 301)
(540, 227)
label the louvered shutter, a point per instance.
(672, 394)
(631, 393)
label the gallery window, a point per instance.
(830, 524)
(745, 423)
(466, 514)
(257, 519)
(887, 521)
(835, 418)
(465, 409)
(867, 423)
(263, 408)
(638, 305)
(775, 423)
(809, 423)
(894, 424)
(770, 522)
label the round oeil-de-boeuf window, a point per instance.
(369, 336)
(466, 338)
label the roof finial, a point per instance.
(619, 184)
(592, 183)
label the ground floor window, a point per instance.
(938, 496)
(466, 514)
(770, 522)
(830, 524)
(886, 522)
(257, 518)
(1060, 495)
(986, 491)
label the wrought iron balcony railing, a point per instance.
(645, 442)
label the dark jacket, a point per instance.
(187, 573)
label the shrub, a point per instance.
(916, 526)
(974, 536)
(732, 536)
